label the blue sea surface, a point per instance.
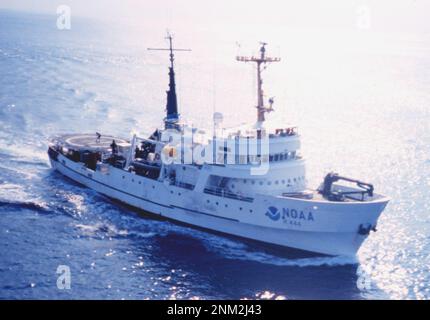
(363, 108)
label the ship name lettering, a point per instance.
(288, 213)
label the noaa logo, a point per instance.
(273, 213)
(289, 214)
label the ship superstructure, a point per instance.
(248, 181)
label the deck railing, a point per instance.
(226, 194)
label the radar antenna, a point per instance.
(260, 60)
(172, 115)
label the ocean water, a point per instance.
(361, 100)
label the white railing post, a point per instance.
(131, 152)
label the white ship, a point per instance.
(248, 182)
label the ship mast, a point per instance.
(172, 115)
(260, 61)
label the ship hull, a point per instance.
(305, 225)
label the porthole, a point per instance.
(276, 182)
(207, 201)
(240, 208)
(217, 203)
(250, 210)
(261, 183)
(226, 205)
(283, 181)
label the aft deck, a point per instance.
(91, 142)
